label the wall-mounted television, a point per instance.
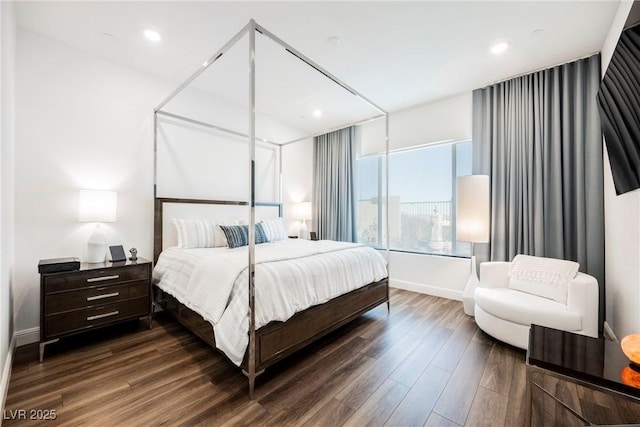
(619, 104)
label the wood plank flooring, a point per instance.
(425, 363)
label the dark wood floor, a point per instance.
(425, 363)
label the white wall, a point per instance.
(297, 180)
(7, 119)
(429, 274)
(622, 228)
(82, 122)
(86, 122)
(197, 162)
(441, 120)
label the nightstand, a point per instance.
(97, 295)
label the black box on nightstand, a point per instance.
(56, 265)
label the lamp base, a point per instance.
(304, 232)
(97, 246)
(468, 296)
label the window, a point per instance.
(421, 198)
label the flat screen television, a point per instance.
(619, 105)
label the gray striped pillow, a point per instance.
(238, 235)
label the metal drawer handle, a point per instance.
(100, 316)
(100, 279)
(114, 294)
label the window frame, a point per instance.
(382, 170)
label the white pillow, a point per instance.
(202, 233)
(544, 277)
(274, 229)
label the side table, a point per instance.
(92, 297)
(575, 380)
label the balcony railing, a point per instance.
(427, 210)
(413, 226)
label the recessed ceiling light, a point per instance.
(152, 35)
(499, 47)
(317, 113)
(108, 36)
(205, 63)
(333, 40)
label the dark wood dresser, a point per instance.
(97, 295)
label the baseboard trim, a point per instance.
(426, 289)
(6, 374)
(27, 336)
(608, 332)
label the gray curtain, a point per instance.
(334, 185)
(538, 137)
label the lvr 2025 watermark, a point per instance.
(29, 414)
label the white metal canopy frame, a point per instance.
(250, 30)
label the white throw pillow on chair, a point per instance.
(544, 277)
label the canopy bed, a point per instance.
(362, 282)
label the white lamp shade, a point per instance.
(472, 209)
(97, 206)
(302, 210)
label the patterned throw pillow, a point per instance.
(261, 236)
(274, 229)
(238, 235)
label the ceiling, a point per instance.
(398, 54)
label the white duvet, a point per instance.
(290, 276)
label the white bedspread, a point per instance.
(290, 276)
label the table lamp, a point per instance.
(302, 211)
(472, 225)
(97, 206)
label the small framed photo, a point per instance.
(313, 235)
(117, 253)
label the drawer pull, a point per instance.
(100, 316)
(114, 294)
(100, 279)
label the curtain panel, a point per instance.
(334, 185)
(538, 137)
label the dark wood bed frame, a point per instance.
(275, 340)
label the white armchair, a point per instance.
(506, 313)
